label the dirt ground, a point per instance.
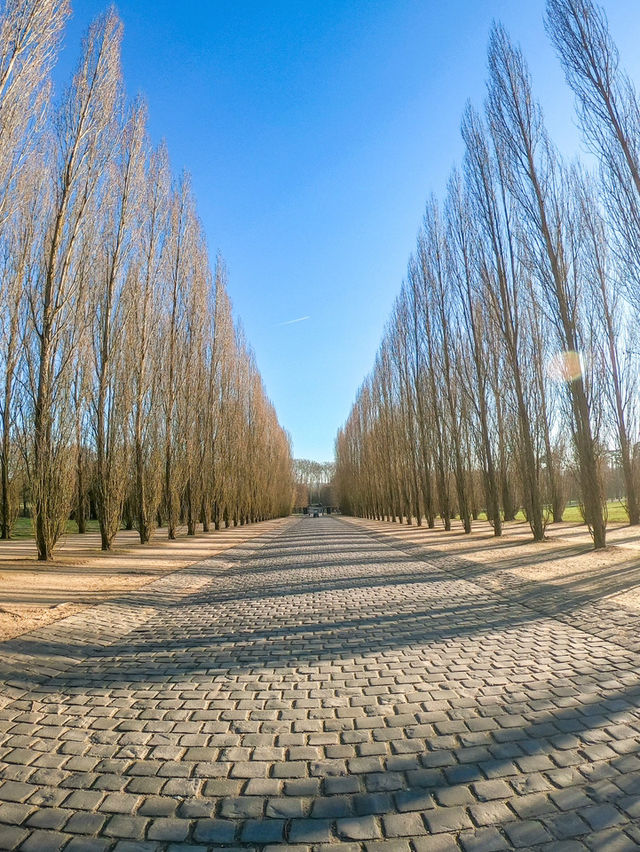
(33, 594)
(565, 559)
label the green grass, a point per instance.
(23, 528)
(616, 514)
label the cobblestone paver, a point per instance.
(582, 607)
(319, 688)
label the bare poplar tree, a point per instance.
(30, 32)
(29, 39)
(403, 356)
(550, 424)
(12, 276)
(432, 259)
(222, 354)
(144, 364)
(55, 303)
(538, 185)
(505, 295)
(111, 309)
(201, 462)
(609, 112)
(20, 244)
(79, 391)
(419, 401)
(180, 249)
(607, 319)
(136, 384)
(475, 356)
(192, 399)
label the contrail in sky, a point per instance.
(291, 322)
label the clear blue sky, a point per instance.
(314, 131)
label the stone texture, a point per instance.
(317, 687)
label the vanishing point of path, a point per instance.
(317, 687)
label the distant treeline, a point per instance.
(314, 483)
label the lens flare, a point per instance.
(565, 366)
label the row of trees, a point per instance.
(313, 482)
(508, 369)
(122, 375)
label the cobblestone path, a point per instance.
(317, 688)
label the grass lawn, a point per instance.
(616, 514)
(23, 528)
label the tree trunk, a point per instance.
(144, 526)
(80, 508)
(191, 518)
(5, 532)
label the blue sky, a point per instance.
(314, 131)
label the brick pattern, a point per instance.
(314, 688)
